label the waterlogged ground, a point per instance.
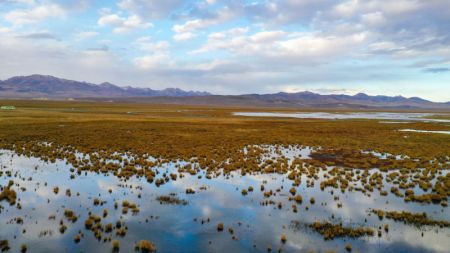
(425, 131)
(252, 222)
(411, 116)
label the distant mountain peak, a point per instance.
(106, 84)
(361, 94)
(37, 85)
(306, 92)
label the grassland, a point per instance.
(187, 131)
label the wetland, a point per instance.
(110, 177)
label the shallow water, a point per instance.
(173, 228)
(424, 131)
(350, 115)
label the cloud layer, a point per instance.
(230, 47)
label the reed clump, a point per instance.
(145, 246)
(330, 231)
(417, 219)
(172, 200)
(115, 245)
(70, 215)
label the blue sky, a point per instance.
(397, 47)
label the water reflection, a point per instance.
(179, 228)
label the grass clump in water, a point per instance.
(70, 215)
(8, 194)
(145, 246)
(283, 238)
(417, 219)
(115, 245)
(330, 231)
(77, 238)
(348, 247)
(171, 200)
(4, 245)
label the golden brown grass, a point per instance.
(331, 231)
(187, 131)
(212, 139)
(6, 193)
(417, 219)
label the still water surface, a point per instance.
(179, 228)
(351, 115)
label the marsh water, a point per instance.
(424, 131)
(351, 115)
(193, 227)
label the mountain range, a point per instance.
(42, 86)
(49, 87)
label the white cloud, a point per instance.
(157, 54)
(150, 9)
(86, 35)
(281, 46)
(374, 19)
(146, 44)
(111, 19)
(20, 1)
(192, 25)
(353, 8)
(123, 24)
(187, 30)
(57, 58)
(35, 14)
(274, 12)
(151, 61)
(321, 45)
(183, 36)
(234, 32)
(346, 9)
(5, 29)
(267, 36)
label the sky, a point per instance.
(378, 47)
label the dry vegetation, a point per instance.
(330, 231)
(417, 219)
(7, 194)
(171, 200)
